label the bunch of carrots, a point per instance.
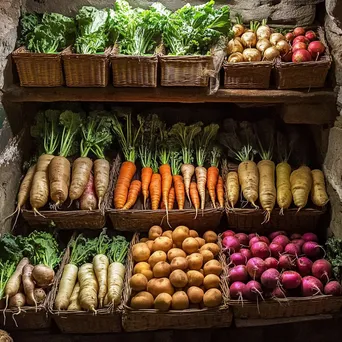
(168, 176)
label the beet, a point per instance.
(271, 262)
(238, 259)
(264, 239)
(311, 286)
(333, 288)
(227, 233)
(322, 270)
(255, 267)
(274, 234)
(237, 290)
(276, 249)
(243, 238)
(304, 266)
(310, 237)
(279, 292)
(251, 235)
(238, 273)
(290, 279)
(231, 244)
(281, 240)
(253, 240)
(292, 249)
(299, 242)
(246, 253)
(260, 249)
(270, 278)
(253, 290)
(286, 262)
(311, 249)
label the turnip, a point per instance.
(279, 292)
(292, 249)
(298, 46)
(276, 249)
(251, 235)
(253, 240)
(287, 57)
(286, 262)
(243, 238)
(333, 288)
(271, 262)
(304, 266)
(281, 240)
(237, 289)
(295, 236)
(322, 270)
(43, 275)
(310, 237)
(274, 234)
(311, 249)
(316, 49)
(301, 55)
(253, 290)
(311, 286)
(290, 279)
(238, 273)
(227, 233)
(289, 37)
(246, 253)
(301, 39)
(299, 242)
(270, 278)
(238, 259)
(260, 249)
(255, 267)
(264, 239)
(231, 244)
(311, 35)
(299, 31)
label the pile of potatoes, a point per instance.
(176, 270)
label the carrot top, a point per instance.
(176, 161)
(203, 142)
(215, 156)
(164, 144)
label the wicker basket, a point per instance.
(81, 322)
(247, 75)
(38, 69)
(134, 71)
(151, 319)
(185, 71)
(86, 70)
(304, 75)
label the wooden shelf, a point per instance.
(165, 94)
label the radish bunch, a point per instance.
(305, 46)
(277, 266)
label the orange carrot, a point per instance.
(179, 190)
(171, 199)
(166, 178)
(126, 174)
(155, 190)
(195, 199)
(220, 191)
(212, 178)
(146, 175)
(133, 194)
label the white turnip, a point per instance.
(290, 279)
(333, 288)
(322, 270)
(311, 286)
(238, 273)
(255, 267)
(270, 278)
(304, 266)
(260, 249)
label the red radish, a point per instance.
(238, 259)
(271, 262)
(286, 262)
(260, 250)
(227, 233)
(298, 46)
(276, 249)
(311, 35)
(304, 266)
(246, 253)
(309, 237)
(255, 267)
(231, 244)
(299, 242)
(311, 286)
(238, 273)
(290, 279)
(316, 49)
(289, 37)
(333, 288)
(274, 234)
(264, 239)
(292, 249)
(253, 290)
(322, 270)
(301, 55)
(270, 278)
(243, 238)
(311, 249)
(278, 292)
(281, 240)
(299, 31)
(253, 240)
(295, 236)
(237, 289)
(287, 57)
(251, 235)
(301, 39)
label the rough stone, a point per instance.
(336, 212)
(334, 10)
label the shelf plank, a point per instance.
(165, 94)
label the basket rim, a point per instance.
(268, 64)
(257, 212)
(190, 58)
(23, 52)
(68, 53)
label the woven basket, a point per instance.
(304, 75)
(86, 70)
(247, 75)
(38, 69)
(139, 219)
(80, 322)
(185, 71)
(134, 71)
(151, 319)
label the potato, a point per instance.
(143, 268)
(161, 285)
(201, 242)
(212, 247)
(212, 298)
(138, 282)
(193, 233)
(178, 278)
(211, 281)
(175, 252)
(179, 235)
(163, 302)
(154, 232)
(195, 261)
(210, 236)
(190, 245)
(212, 267)
(207, 255)
(168, 233)
(142, 300)
(179, 263)
(180, 301)
(143, 240)
(162, 243)
(195, 294)
(149, 244)
(195, 278)
(140, 252)
(161, 269)
(156, 257)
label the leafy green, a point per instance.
(194, 30)
(334, 255)
(102, 243)
(163, 144)
(7, 268)
(82, 250)
(118, 249)
(28, 22)
(215, 156)
(203, 142)
(176, 162)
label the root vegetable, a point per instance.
(236, 57)
(66, 286)
(143, 268)
(220, 191)
(238, 29)
(263, 31)
(333, 288)
(238, 259)
(311, 286)
(101, 263)
(195, 278)
(319, 195)
(142, 300)
(260, 249)
(271, 262)
(39, 296)
(101, 179)
(175, 252)
(88, 199)
(133, 193)
(231, 244)
(201, 178)
(193, 233)
(195, 261)
(178, 278)
(210, 236)
(255, 267)
(234, 45)
(162, 243)
(212, 298)
(81, 169)
(271, 53)
(249, 39)
(140, 252)
(237, 289)
(156, 257)
(284, 194)
(322, 270)
(161, 285)
(301, 55)
(212, 267)
(195, 199)
(28, 284)
(246, 253)
(179, 190)
(270, 278)
(275, 38)
(163, 302)
(253, 290)
(211, 281)
(238, 273)
(17, 302)
(116, 274)
(179, 263)
(249, 180)
(201, 242)
(290, 279)
(304, 266)
(212, 247)
(311, 249)
(43, 275)
(180, 301)
(282, 240)
(284, 47)
(309, 237)
(161, 269)
(190, 245)
(88, 287)
(207, 255)
(316, 49)
(195, 294)
(74, 301)
(233, 188)
(263, 44)
(187, 171)
(146, 176)
(179, 235)
(276, 249)
(59, 178)
(138, 282)
(251, 55)
(166, 178)
(154, 232)
(13, 285)
(155, 190)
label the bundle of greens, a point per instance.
(194, 30)
(334, 255)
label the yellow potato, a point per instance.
(163, 302)
(154, 232)
(212, 267)
(201, 242)
(195, 278)
(195, 261)
(140, 252)
(149, 244)
(156, 257)
(190, 245)
(179, 263)
(193, 233)
(168, 233)
(142, 300)
(195, 294)
(207, 255)
(161, 269)
(162, 243)
(179, 235)
(212, 298)
(212, 247)
(161, 285)
(178, 278)
(211, 281)
(138, 282)
(175, 252)
(144, 268)
(180, 301)
(210, 236)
